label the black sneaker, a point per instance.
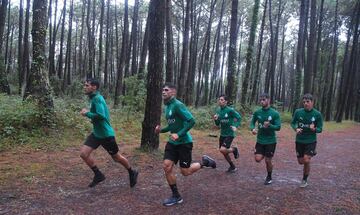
(133, 177)
(236, 152)
(97, 179)
(208, 161)
(268, 181)
(172, 201)
(232, 169)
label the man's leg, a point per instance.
(226, 155)
(269, 168)
(133, 174)
(168, 166)
(85, 154)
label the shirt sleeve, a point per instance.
(277, 123)
(99, 113)
(237, 118)
(294, 121)
(319, 124)
(253, 121)
(188, 119)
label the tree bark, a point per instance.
(149, 139)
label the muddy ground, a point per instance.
(55, 182)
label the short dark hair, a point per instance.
(264, 95)
(226, 98)
(170, 85)
(308, 96)
(93, 82)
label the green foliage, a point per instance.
(76, 89)
(134, 99)
(21, 122)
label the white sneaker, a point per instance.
(303, 184)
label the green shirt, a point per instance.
(179, 121)
(266, 135)
(303, 119)
(100, 117)
(227, 117)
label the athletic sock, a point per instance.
(96, 170)
(130, 170)
(305, 177)
(269, 175)
(174, 190)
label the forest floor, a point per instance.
(55, 182)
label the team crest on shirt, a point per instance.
(170, 113)
(312, 119)
(226, 115)
(269, 118)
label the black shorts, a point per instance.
(225, 141)
(305, 149)
(266, 150)
(109, 143)
(181, 153)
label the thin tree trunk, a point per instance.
(169, 45)
(309, 71)
(249, 53)
(134, 38)
(25, 67)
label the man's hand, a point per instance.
(299, 130)
(266, 124)
(312, 127)
(254, 132)
(216, 117)
(157, 129)
(174, 136)
(233, 128)
(84, 111)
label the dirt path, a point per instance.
(56, 182)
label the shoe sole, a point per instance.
(209, 158)
(92, 184)
(135, 177)
(231, 171)
(303, 186)
(178, 202)
(268, 182)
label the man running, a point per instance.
(268, 121)
(307, 122)
(228, 120)
(103, 134)
(180, 144)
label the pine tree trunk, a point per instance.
(249, 53)
(169, 45)
(150, 140)
(20, 42)
(38, 86)
(25, 67)
(134, 38)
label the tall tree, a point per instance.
(300, 52)
(4, 86)
(249, 52)
(101, 23)
(309, 71)
(38, 86)
(169, 45)
(149, 139)
(134, 38)
(25, 66)
(121, 60)
(185, 53)
(67, 70)
(315, 89)
(260, 47)
(20, 42)
(62, 37)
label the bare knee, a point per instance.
(268, 160)
(84, 155)
(167, 168)
(185, 172)
(301, 161)
(223, 150)
(258, 158)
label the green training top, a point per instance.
(227, 117)
(303, 119)
(100, 117)
(266, 135)
(179, 120)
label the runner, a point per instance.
(228, 120)
(180, 144)
(307, 122)
(268, 121)
(103, 134)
